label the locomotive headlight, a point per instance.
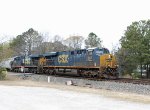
(116, 66)
(108, 65)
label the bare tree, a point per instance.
(31, 39)
(74, 42)
(58, 44)
(57, 38)
(28, 42)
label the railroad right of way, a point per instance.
(103, 84)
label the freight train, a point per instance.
(91, 62)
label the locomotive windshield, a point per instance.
(106, 51)
(102, 51)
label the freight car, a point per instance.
(7, 63)
(91, 62)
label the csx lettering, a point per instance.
(27, 61)
(63, 59)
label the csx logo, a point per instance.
(63, 58)
(27, 61)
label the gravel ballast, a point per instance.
(108, 85)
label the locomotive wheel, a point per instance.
(54, 72)
(35, 71)
(50, 72)
(79, 72)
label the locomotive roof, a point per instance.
(55, 53)
(34, 55)
(50, 53)
(92, 48)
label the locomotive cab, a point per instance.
(102, 59)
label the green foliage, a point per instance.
(135, 46)
(5, 51)
(135, 74)
(137, 41)
(93, 40)
(126, 64)
(18, 45)
(3, 73)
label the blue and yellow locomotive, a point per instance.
(91, 62)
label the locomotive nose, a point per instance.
(108, 60)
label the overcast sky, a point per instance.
(106, 18)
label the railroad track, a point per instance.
(134, 81)
(119, 80)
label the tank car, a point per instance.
(7, 63)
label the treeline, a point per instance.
(134, 53)
(33, 42)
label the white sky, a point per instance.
(106, 18)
